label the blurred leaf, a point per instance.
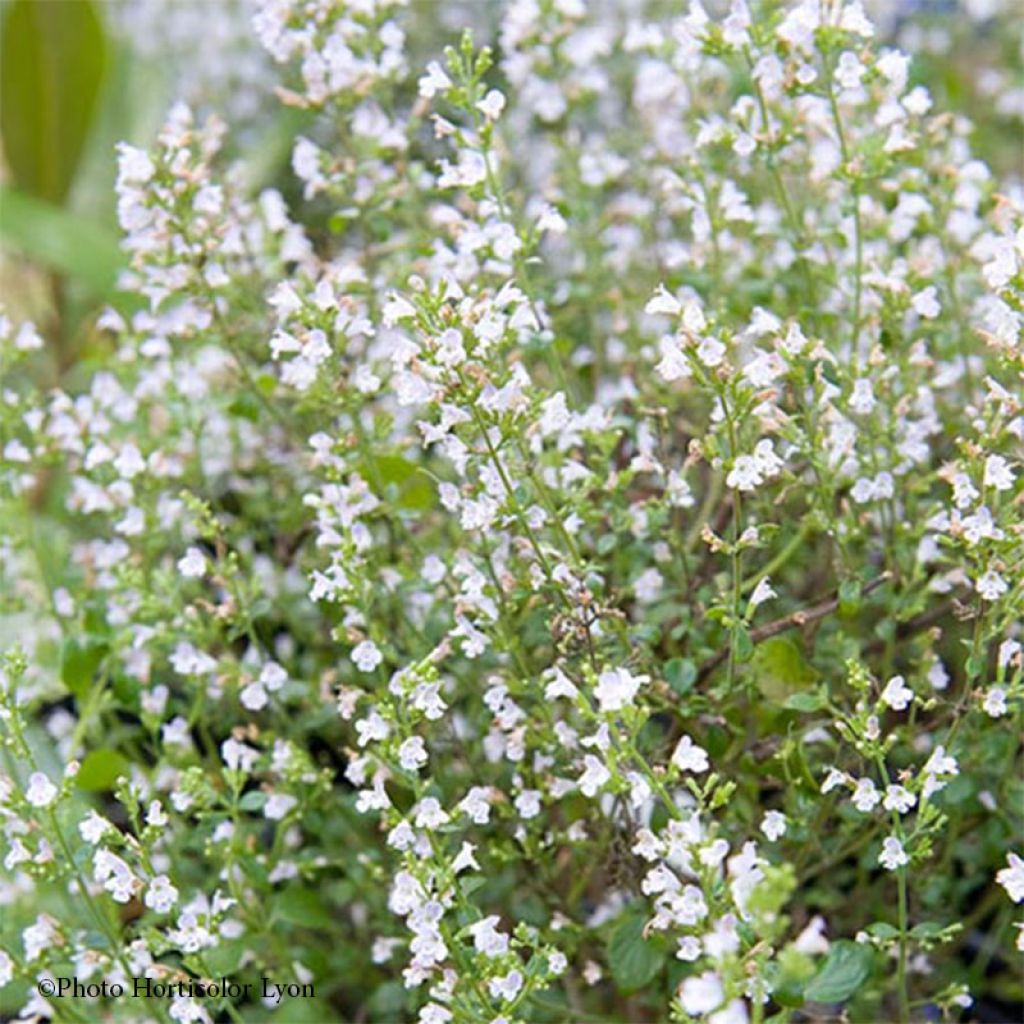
(60, 240)
(780, 669)
(52, 61)
(80, 657)
(634, 960)
(302, 907)
(843, 972)
(681, 675)
(100, 770)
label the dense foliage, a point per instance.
(558, 557)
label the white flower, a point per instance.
(412, 754)
(773, 825)
(701, 994)
(688, 757)
(594, 776)
(430, 814)
(161, 895)
(6, 969)
(506, 987)
(1011, 878)
(893, 855)
(434, 81)
(278, 805)
(897, 695)
(492, 104)
(998, 473)
(366, 656)
(133, 165)
(254, 697)
(663, 303)
(193, 565)
(991, 586)
(93, 827)
(865, 795)
(41, 792)
(616, 689)
(898, 798)
(486, 937)
(762, 592)
(926, 303)
(994, 702)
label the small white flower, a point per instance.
(991, 586)
(663, 303)
(434, 81)
(762, 592)
(617, 688)
(492, 104)
(898, 798)
(926, 303)
(161, 895)
(688, 757)
(994, 702)
(506, 987)
(366, 656)
(278, 805)
(254, 697)
(193, 565)
(701, 994)
(773, 825)
(93, 827)
(594, 776)
(412, 754)
(41, 792)
(1011, 878)
(865, 796)
(998, 473)
(893, 855)
(897, 695)
(486, 937)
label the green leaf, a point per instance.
(681, 675)
(100, 770)
(780, 669)
(303, 907)
(810, 701)
(225, 958)
(80, 658)
(846, 968)
(60, 240)
(634, 960)
(52, 61)
(252, 801)
(413, 488)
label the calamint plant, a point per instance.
(557, 556)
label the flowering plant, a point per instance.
(562, 559)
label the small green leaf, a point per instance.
(52, 61)
(100, 770)
(80, 658)
(810, 701)
(681, 675)
(780, 669)
(252, 801)
(634, 960)
(846, 968)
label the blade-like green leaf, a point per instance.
(60, 240)
(52, 61)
